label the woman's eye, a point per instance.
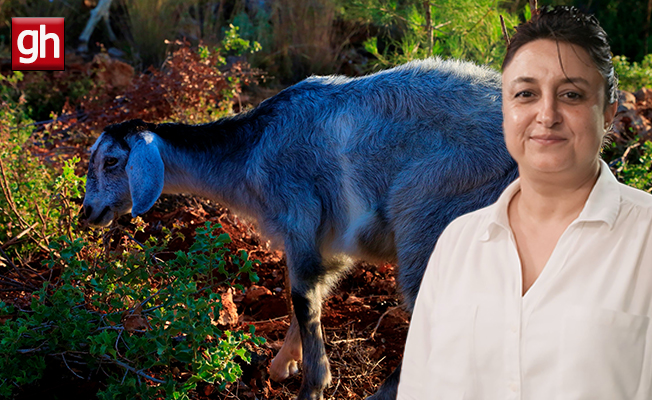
(110, 161)
(572, 95)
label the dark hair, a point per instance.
(570, 25)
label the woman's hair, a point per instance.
(570, 25)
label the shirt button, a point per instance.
(513, 387)
(514, 329)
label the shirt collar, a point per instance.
(603, 203)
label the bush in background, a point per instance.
(633, 75)
(190, 88)
(464, 29)
(145, 317)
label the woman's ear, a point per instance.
(610, 114)
(145, 171)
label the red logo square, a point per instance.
(37, 44)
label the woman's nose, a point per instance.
(549, 114)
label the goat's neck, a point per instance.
(214, 174)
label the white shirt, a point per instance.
(581, 332)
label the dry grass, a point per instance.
(302, 32)
(151, 23)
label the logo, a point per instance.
(37, 44)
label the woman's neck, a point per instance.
(549, 198)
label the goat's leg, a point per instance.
(389, 388)
(285, 363)
(310, 283)
(316, 369)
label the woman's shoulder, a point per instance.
(635, 197)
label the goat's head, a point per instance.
(125, 173)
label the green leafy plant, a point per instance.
(634, 166)
(148, 323)
(232, 43)
(633, 75)
(140, 318)
(465, 29)
(34, 206)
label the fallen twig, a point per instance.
(373, 333)
(348, 340)
(131, 369)
(68, 366)
(11, 263)
(10, 282)
(20, 235)
(269, 320)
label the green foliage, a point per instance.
(465, 29)
(34, 205)
(634, 166)
(48, 92)
(233, 44)
(633, 75)
(142, 315)
(150, 37)
(139, 317)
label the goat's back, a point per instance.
(358, 149)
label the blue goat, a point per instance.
(332, 168)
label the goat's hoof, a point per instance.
(381, 395)
(310, 394)
(280, 371)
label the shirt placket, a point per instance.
(513, 326)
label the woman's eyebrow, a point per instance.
(522, 79)
(529, 79)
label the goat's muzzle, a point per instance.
(88, 210)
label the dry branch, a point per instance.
(504, 28)
(101, 11)
(11, 263)
(131, 369)
(534, 7)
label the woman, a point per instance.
(547, 294)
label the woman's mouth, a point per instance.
(547, 140)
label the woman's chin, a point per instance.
(546, 165)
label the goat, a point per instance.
(334, 169)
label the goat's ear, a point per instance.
(146, 173)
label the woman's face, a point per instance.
(554, 121)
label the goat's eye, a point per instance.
(110, 161)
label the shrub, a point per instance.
(48, 91)
(189, 88)
(27, 214)
(461, 29)
(140, 314)
(633, 166)
(633, 75)
(149, 323)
